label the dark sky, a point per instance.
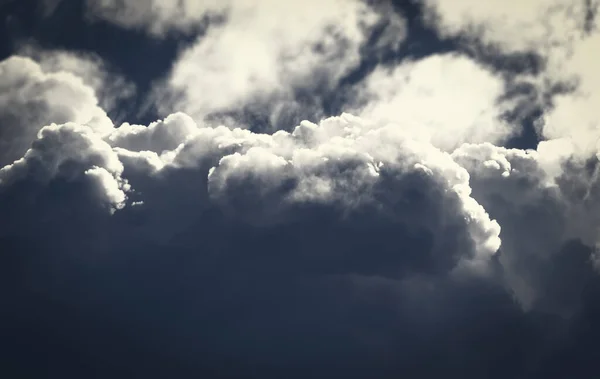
(436, 215)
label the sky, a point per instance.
(301, 189)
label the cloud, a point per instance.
(347, 236)
(342, 161)
(574, 115)
(544, 212)
(263, 55)
(70, 152)
(160, 136)
(110, 87)
(563, 34)
(532, 25)
(263, 217)
(261, 59)
(443, 99)
(351, 246)
(354, 174)
(264, 64)
(32, 98)
(158, 17)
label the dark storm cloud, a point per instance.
(341, 249)
(542, 222)
(272, 283)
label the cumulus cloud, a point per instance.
(346, 161)
(345, 177)
(338, 169)
(32, 98)
(298, 235)
(160, 136)
(68, 152)
(542, 210)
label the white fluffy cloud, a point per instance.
(156, 16)
(562, 33)
(259, 55)
(31, 98)
(529, 25)
(110, 87)
(262, 52)
(71, 152)
(576, 115)
(344, 162)
(157, 137)
(443, 99)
